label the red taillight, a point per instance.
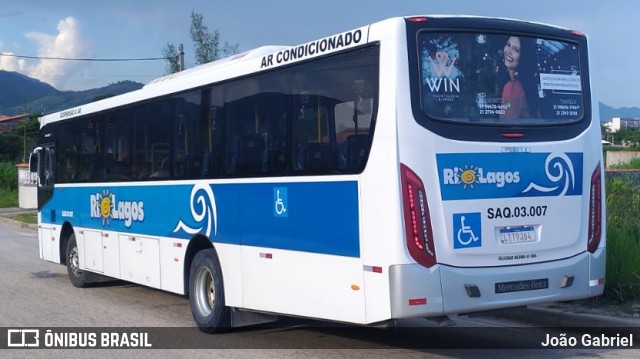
(418, 19)
(416, 218)
(595, 211)
(512, 134)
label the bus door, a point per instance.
(42, 162)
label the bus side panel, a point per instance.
(47, 243)
(300, 249)
(415, 291)
(225, 235)
(230, 257)
(49, 230)
(597, 266)
(382, 233)
(140, 260)
(303, 284)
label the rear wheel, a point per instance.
(206, 293)
(77, 277)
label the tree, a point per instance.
(27, 132)
(170, 53)
(11, 145)
(629, 137)
(206, 44)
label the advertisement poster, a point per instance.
(495, 78)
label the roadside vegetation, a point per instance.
(31, 218)
(623, 226)
(623, 237)
(8, 185)
(8, 198)
(634, 164)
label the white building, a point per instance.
(618, 123)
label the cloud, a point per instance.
(67, 43)
(11, 63)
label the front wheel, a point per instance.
(206, 293)
(77, 276)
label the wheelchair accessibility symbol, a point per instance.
(467, 230)
(280, 202)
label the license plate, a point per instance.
(521, 234)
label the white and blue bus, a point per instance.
(414, 167)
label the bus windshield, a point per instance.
(490, 78)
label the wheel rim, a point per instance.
(73, 261)
(205, 291)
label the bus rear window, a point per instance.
(499, 78)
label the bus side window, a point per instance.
(48, 167)
(314, 143)
(334, 107)
(189, 127)
(151, 143)
(272, 114)
(319, 158)
(353, 133)
(116, 146)
(356, 152)
(67, 162)
(210, 133)
(256, 126)
(90, 157)
(249, 149)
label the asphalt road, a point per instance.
(37, 294)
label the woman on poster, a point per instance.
(514, 96)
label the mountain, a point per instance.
(17, 89)
(608, 112)
(20, 93)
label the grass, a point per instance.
(8, 185)
(8, 176)
(31, 218)
(8, 198)
(623, 265)
(623, 239)
(633, 164)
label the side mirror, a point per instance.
(34, 161)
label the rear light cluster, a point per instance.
(595, 211)
(418, 19)
(417, 221)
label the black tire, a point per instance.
(77, 277)
(206, 293)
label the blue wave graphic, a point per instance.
(560, 173)
(203, 212)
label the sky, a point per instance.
(142, 28)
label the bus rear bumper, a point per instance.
(467, 290)
(502, 287)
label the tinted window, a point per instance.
(257, 133)
(498, 78)
(333, 112)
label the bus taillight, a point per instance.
(595, 211)
(418, 19)
(416, 218)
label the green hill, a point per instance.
(20, 93)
